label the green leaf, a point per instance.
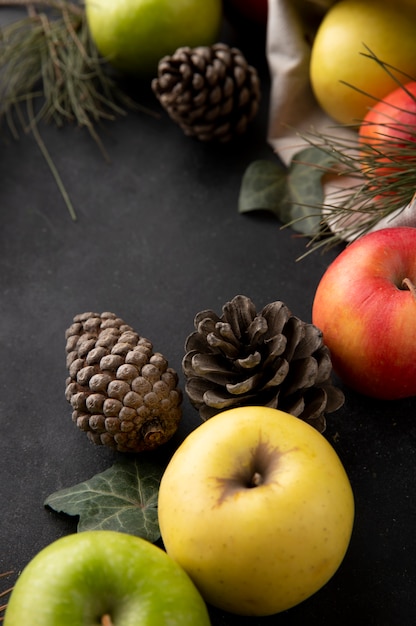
(264, 187)
(122, 498)
(305, 189)
(293, 194)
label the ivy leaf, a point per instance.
(122, 498)
(305, 189)
(264, 187)
(293, 194)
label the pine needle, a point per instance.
(4, 594)
(50, 71)
(52, 167)
(375, 196)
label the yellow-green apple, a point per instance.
(256, 506)
(133, 35)
(388, 29)
(365, 305)
(107, 578)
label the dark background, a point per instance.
(158, 239)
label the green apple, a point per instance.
(133, 35)
(388, 29)
(107, 578)
(257, 508)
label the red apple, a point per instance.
(389, 129)
(256, 10)
(365, 305)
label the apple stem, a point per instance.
(407, 284)
(106, 620)
(256, 479)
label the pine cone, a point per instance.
(268, 359)
(210, 91)
(122, 393)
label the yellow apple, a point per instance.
(388, 29)
(257, 508)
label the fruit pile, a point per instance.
(275, 474)
(362, 72)
(365, 303)
(354, 171)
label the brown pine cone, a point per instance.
(271, 358)
(211, 92)
(122, 393)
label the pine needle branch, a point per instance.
(45, 153)
(4, 594)
(51, 71)
(376, 195)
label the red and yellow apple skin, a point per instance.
(388, 133)
(365, 305)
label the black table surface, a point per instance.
(159, 238)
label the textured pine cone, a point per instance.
(122, 393)
(271, 358)
(211, 92)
